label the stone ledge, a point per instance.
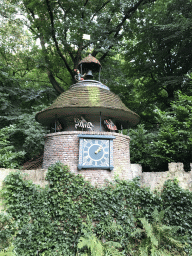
(155, 180)
(87, 132)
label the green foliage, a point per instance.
(53, 220)
(21, 136)
(170, 142)
(63, 205)
(8, 227)
(156, 238)
(24, 90)
(95, 247)
(157, 64)
(8, 252)
(59, 26)
(179, 202)
(158, 53)
(93, 244)
(8, 157)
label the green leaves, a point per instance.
(92, 246)
(8, 228)
(169, 141)
(9, 158)
(70, 216)
(59, 27)
(158, 237)
(21, 136)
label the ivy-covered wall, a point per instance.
(49, 221)
(153, 180)
(36, 176)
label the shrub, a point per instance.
(157, 239)
(8, 227)
(50, 220)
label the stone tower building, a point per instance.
(86, 121)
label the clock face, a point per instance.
(95, 151)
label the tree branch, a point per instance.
(100, 9)
(61, 79)
(52, 80)
(86, 1)
(55, 84)
(65, 11)
(51, 77)
(106, 53)
(127, 15)
(55, 40)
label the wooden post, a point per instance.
(100, 121)
(55, 123)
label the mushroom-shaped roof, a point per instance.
(91, 99)
(90, 62)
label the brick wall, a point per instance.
(64, 147)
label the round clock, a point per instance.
(96, 152)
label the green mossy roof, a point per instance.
(88, 97)
(87, 100)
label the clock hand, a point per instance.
(98, 150)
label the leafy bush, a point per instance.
(8, 227)
(9, 158)
(8, 252)
(21, 137)
(157, 239)
(93, 246)
(169, 141)
(179, 203)
(50, 220)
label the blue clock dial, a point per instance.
(96, 152)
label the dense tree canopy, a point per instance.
(24, 90)
(159, 62)
(158, 56)
(60, 25)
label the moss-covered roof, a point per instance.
(87, 100)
